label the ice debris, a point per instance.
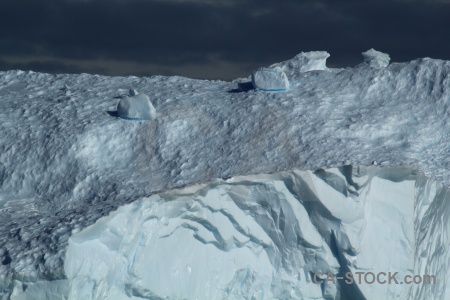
(132, 92)
(375, 59)
(270, 79)
(136, 107)
(304, 62)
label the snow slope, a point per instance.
(66, 159)
(262, 237)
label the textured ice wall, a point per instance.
(432, 235)
(263, 236)
(65, 160)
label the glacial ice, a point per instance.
(270, 79)
(376, 59)
(304, 62)
(136, 106)
(132, 92)
(66, 161)
(264, 236)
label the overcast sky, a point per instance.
(221, 39)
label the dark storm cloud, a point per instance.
(143, 37)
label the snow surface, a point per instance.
(66, 159)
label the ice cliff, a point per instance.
(264, 236)
(67, 160)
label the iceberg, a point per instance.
(228, 175)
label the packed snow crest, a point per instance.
(120, 186)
